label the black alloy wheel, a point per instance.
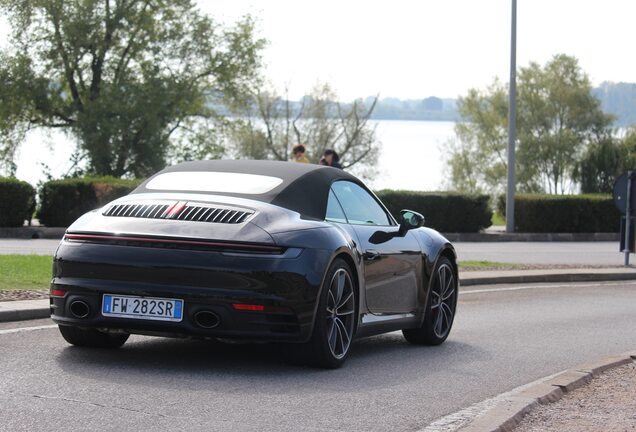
(440, 308)
(340, 313)
(335, 321)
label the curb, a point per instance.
(532, 237)
(542, 278)
(29, 309)
(507, 414)
(24, 310)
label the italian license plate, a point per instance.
(147, 308)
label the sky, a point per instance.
(420, 48)
(415, 49)
(409, 49)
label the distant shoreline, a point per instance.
(450, 118)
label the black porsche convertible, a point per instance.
(301, 254)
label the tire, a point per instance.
(440, 307)
(335, 321)
(92, 338)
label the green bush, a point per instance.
(563, 213)
(17, 202)
(63, 201)
(446, 212)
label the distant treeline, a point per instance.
(618, 99)
(431, 108)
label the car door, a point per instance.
(390, 267)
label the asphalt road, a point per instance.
(504, 337)
(589, 253)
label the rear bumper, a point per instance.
(288, 285)
(232, 324)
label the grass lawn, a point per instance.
(487, 265)
(25, 271)
(497, 219)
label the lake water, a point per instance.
(412, 155)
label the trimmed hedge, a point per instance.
(17, 202)
(563, 213)
(63, 201)
(445, 212)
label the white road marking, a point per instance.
(565, 285)
(21, 329)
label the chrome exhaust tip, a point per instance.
(80, 309)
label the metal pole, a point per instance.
(512, 124)
(628, 217)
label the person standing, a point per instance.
(331, 158)
(298, 152)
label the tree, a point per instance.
(600, 166)
(605, 160)
(122, 77)
(628, 150)
(274, 124)
(558, 118)
(478, 156)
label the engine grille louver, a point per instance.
(186, 212)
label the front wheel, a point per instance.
(440, 307)
(335, 320)
(92, 338)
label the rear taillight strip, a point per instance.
(222, 245)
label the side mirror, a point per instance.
(409, 220)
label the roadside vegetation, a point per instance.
(497, 219)
(488, 265)
(139, 85)
(33, 272)
(566, 142)
(25, 272)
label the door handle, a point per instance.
(370, 255)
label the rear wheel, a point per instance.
(92, 338)
(335, 320)
(440, 308)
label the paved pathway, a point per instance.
(27, 247)
(503, 338)
(588, 253)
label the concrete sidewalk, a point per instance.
(32, 309)
(24, 310)
(469, 278)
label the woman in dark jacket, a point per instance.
(331, 158)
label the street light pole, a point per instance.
(512, 124)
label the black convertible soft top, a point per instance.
(304, 187)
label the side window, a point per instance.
(359, 206)
(334, 211)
